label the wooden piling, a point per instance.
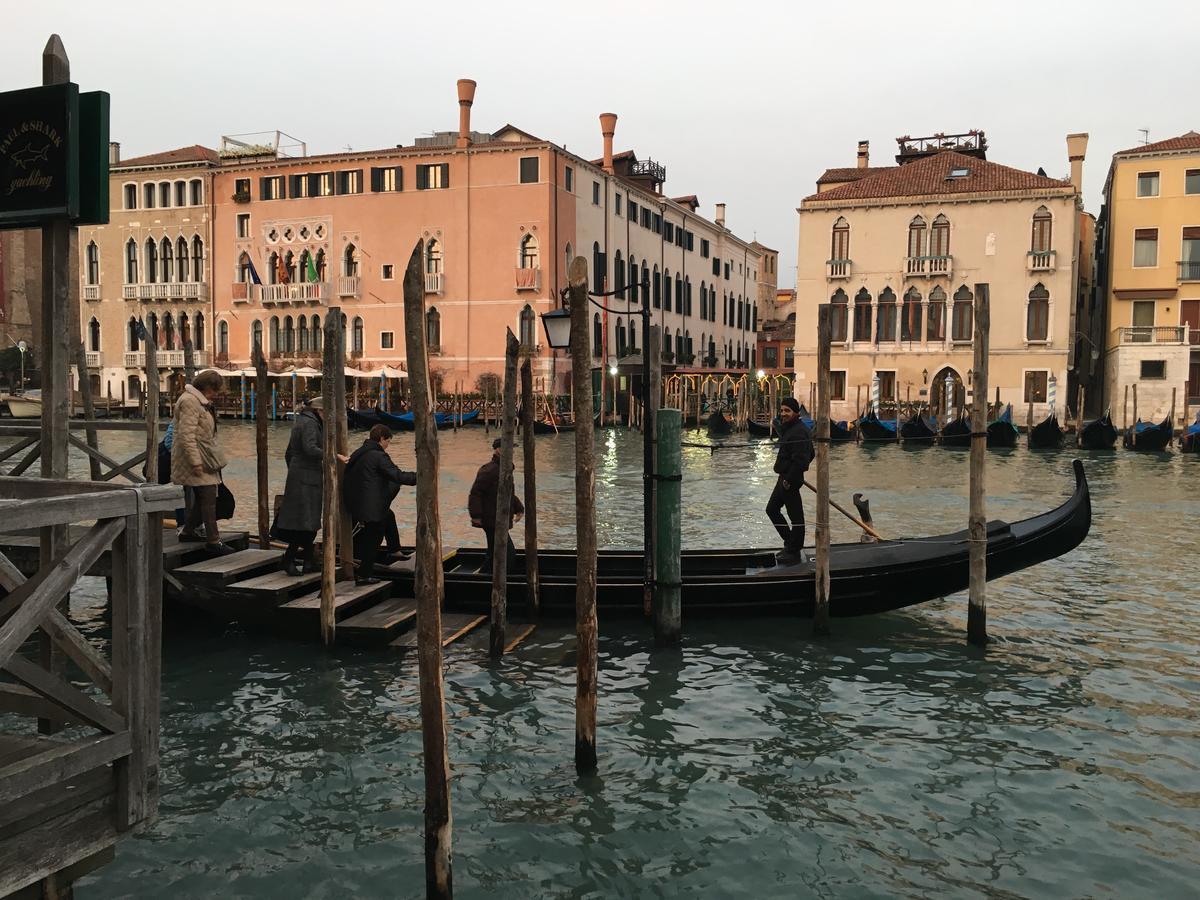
(1125, 412)
(651, 402)
(504, 491)
(977, 527)
(329, 491)
(668, 609)
(1135, 412)
(89, 408)
(1079, 416)
(585, 521)
(1171, 417)
(337, 422)
(260, 445)
(151, 410)
(533, 582)
(428, 586)
(821, 438)
(189, 356)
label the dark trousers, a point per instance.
(790, 500)
(490, 534)
(202, 510)
(368, 538)
(300, 546)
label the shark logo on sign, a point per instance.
(28, 154)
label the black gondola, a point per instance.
(1046, 434)
(362, 418)
(541, 426)
(957, 433)
(841, 432)
(1002, 433)
(874, 429)
(718, 424)
(1149, 437)
(1099, 434)
(1189, 441)
(918, 431)
(759, 429)
(866, 578)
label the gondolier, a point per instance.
(792, 461)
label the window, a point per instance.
(935, 329)
(243, 225)
(596, 194)
(647, 218)
(887, 385)
(134, 342)
(167, 259)
(789, 357)
(356, 335)
(256, 335)
(1145, 247)
(131, 262)
(350, 260)
(717, 266)
(862, 315)
(599, 269)
(387, 272)
(688, 240)
(617, 203)
(350, 181)
(241, 190)
(94, 335)
(885, 326)
(131, 196)
(528, 327)
(1154, 369)
(669, 232)
(223, 338)
(569, 179)
(289, 335)
(387, 340)
(387, 178)
(321, 184)
(597, 336)
(197, 258)
(315, 341)
(1037, 317)
(632, 211)
(433, 177)
(916, 237)
(271, 188)
(148, 196)
(959, 173)
(770, 357)
(704, 247)
(840, 245)
(964, 309)
(910, 320)
(687, 296)
(1191, 181)
(164, 194)
(939, 244)
(529, 170)
(837, 385)
(180, 193)
(151, 261)
(657, 289)
(93, 263)
(302, 343)
(1042, 224)
(1143, 320)
(195, 192)
(656, 223)
(181, 248)
(1035, 386)
(841, 309)
(1147, 184)
(529, 252)
(727, 270)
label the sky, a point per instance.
(745, 105)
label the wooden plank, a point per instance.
(380, 621)
(147, 722)
(519, 637)
(21, 700)
(49, 511)
(276, 587)
(454, 627)
(58, 762)
(26, 487)
(65, 695)
(55, 845)
(348, 598)
(54, 800)
(230, 566)
(78, 650)
(23, 444)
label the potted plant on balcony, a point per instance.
(668, 356)
(241, 197)
(710, 361)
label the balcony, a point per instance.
(91, 359)
(90, 292)
(129, 292)
(1037, 261)
(135, 360)
(1151, 334)
(301, 292)
(244, 292)
(528, 279)
(1189, 271)
(836, 269)
(435, 282)
(928, 266)
(175, 290)
(348, 286)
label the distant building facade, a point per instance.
(777, 334)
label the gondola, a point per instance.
(718, 424)
(362, 418)
(455, 420)
(866, 578)
(841, 432)
(1002, 433)
(957, 433)
(759, 429)
(1099, 434)
(1046, 434)
(874, 429)
(1149, 437)
(404, 421)
(919, 431)
(1189, 441)
(541, 426)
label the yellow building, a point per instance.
(1149, 255)
(899, 249)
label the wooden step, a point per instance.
(176, 555)
(455, 626)
(218, 572)
(275, 588)
(348, 599)
(380, 623)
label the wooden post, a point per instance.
(652, 402)
(189, 356)
(1171, 418)
(824, 342)
(428, 587)
(533, 585)
(337, 422)
(585, 521)
(1135, 412)
(1125, 413)
(977, 528)
(89, 408)
(260, 446)
(330, 371)
(668, 610)
(1029, 420)
(504, 491)
(151, 409)
(1079, 416)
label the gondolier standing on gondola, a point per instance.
(792, 461)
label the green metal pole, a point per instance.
(668, 625)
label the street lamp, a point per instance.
(23, 347)
(760, 374)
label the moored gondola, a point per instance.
(841, 432)
(1001, 432)
(875, 430)
(1099, 434)
(362, 418)
(1148, 437)
(559, 426)
(866, 578)
(957, 433)
(718, 424)
(760, 429)
(919, 431)
(1046, 434)
(1189, 441)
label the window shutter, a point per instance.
(262, 189)
(445, 167)
(1145, 234)
(422, 177)
(1191, 234)
(376, 178)
(358, 181)
(399, 178)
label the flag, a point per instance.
(281, 272)
(253, 272)
(312, 271)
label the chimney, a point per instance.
(466, 96)
(864, 154)
(114, 153)
(1076, 150)
(720, 217)
(608, 127)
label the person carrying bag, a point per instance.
(197, 460)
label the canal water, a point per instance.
(890, 760)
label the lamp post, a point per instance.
(557, 324)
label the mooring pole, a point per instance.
(189, 354)
(428, 587)
(337, 422)
(585, 521)
(1079, 417)
(533, 586)
(821, 439)
(89, 408)
(977, 527)
(668, 610)
(329, 492)
(260, 446)
(504, 492)
(1171, 418)
(151, 408)
(1133, 434)
(653, 391)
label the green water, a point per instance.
(889, 760)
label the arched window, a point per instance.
(964, 305)
(196, 191)
(169, 335)
(712, 352)
(1037, 318)
(839, 250)
(679, 346)
(167, 259)
(164, 194)
(181, 193)
(935, 329)
(273, 268)
(243, 268)
(657, 288)
(632, 335)
(318, 336)
(645, 282)
(131, 193)
(1043, 224)
(357, 345)
(528, 327)
(678, 293)
(634, 293)
(223, 338)
(197, 259)
(302, 334)
(148, 196)
(620, 337)
(841, 315)
(619, 275)
(433, 329)
(529, 252)
(274, 336)
(687, 345)
(940, 243)
(916, 237)
(885, 326)
(305, 256)
(667, 352)
(94, 335)
(93, 263)
(131, 262)
(703, 301)
(598, 267)
(862, 315)
(597, 336)
(256, 335)
(910, 321)
(133, 341)
(321, 266)
(289, 335)
(350, 259)
(687, 296)
(198, 332)
(289, 267)
(151, 261)
(181, 250)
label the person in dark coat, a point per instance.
(481, 504)
(371, 482)
(792, 461)
(299, 516)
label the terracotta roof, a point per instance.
(853, 173)
(930, 176)
(1189, 141)
(624, 154)
(194, 153)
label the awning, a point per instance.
(302, 372)
(385, 372)
(1165, 293)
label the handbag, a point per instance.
(226, 503)
(212, 457)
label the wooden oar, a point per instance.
(857, 521)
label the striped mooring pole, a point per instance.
(1052, 393)
(949, 395)
(875, 393)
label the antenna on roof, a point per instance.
(1145, 135)
(349, 148)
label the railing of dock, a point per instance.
(28, 440)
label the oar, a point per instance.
(857, 521)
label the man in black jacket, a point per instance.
(371, 482)
(481, 504)
(795, 455)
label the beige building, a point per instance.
(1149, 290)
(898, 250)
(20, 301)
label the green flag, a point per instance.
(312, 271)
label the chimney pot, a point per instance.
(720, 216)
(608, 127)
(1076, 151)
(114, 153)
(466, 96)
(864, 154)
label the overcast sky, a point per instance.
(745, 103)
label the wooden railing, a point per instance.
(27, 439)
